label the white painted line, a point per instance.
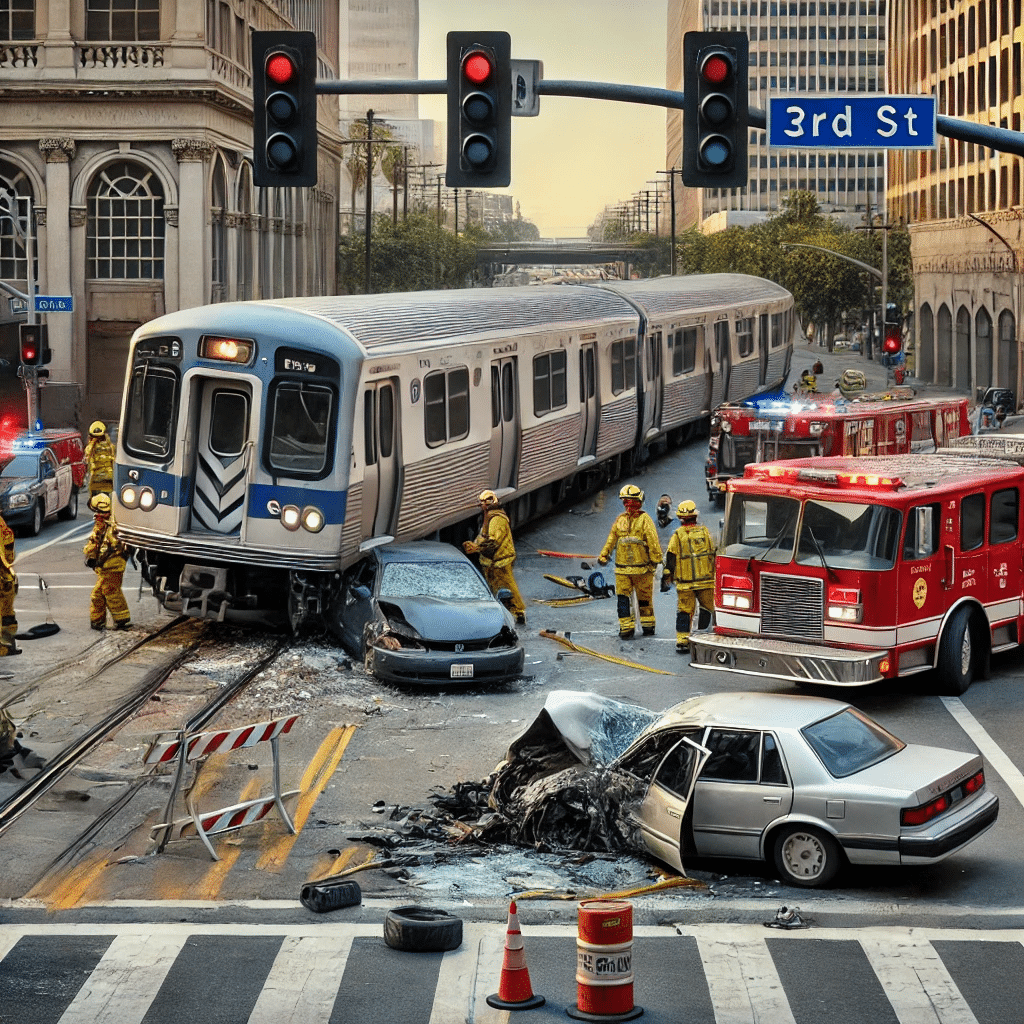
(990, 750)
(745, 988)
(303, 983)
(916, 983)
(473, 972)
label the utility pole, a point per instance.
(672, 196)
(369, 201)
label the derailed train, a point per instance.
(265, 446)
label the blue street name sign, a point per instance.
(852, 122)
(54, 304)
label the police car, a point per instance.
(42, 473)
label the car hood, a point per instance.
(920, 773)
(12, 484)
(442, 620)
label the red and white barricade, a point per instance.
(184, 749)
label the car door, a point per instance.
(741, 790)
(666, 800)
(357, 605)
(48, 475)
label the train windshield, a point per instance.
(301, 415)
(151, 412)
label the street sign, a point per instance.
(54, 304)
(852, 122)
(525, 98)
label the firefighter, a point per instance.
(497, 552)
(690, 563)
(634, 542)
(8, 592)
(106, 555)
(99, 457)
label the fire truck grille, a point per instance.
(792, 606)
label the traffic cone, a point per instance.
(514, 989)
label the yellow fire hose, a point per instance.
(566, 642)
(565, 554)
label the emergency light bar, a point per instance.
(825, 476)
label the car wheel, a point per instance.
(70, 510)
(806, 856)
(36, 523)
(422, 930)
(957, 655)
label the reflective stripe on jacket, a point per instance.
(634, 541)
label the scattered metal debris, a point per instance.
(787, 917)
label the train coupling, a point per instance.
(204, 592)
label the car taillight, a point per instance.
(974, 783)
(737, 591)
(919, 815)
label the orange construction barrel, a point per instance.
(604, 962)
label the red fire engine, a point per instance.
(847, 571)
(764, 430)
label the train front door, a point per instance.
(380, 458)
(504, 422)
(588, 401)
(222, 457)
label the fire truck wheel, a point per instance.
(806, 856)
(958, 652)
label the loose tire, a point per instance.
(805, 856)
(422, 930)
(70, 510)
(330, 896)
(957, 655)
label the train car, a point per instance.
(265, 446)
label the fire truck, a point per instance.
(769, 429)
(850, 571)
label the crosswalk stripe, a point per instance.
(472, 971)
(123, 983)
(744, 985)
(916, 982)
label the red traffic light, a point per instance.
(29, 352)
(280, 68)
(477, 68)
(715, 69)
(892, 343)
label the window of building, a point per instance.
(126, 224)
(13, 260)
(17, 19)
(549, 382)
(122, 20)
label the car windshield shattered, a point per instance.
(847, 743)
(451, 581)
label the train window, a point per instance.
(446, 406)
(745, 335)
(777, 331)
(508, 393)
(229, 423)
(370, 427)
(495, 397)
(387, 421)
(1004, 512)
(151, 412)
(623, 365)
(684, 352)
(654, 356)
(550, 389)
(301, 415)
(721, 341)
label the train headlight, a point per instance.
(291, 517)
(129, 496)
(147, 499)
(313, 519)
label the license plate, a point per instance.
(462, 672)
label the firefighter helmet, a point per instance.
(97, 428)
(100, 503)
(687, 510)
(631, 492)
(488, 498)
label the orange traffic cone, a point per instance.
(514, 989)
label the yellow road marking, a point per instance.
(315, 778)
(210, 884)
(72, 885)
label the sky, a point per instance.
(578, 155)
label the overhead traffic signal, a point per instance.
(715, 109)
(479, 110)
(284, 108)
(34, 346)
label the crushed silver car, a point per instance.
(803, 783)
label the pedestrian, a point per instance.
(106, 555)
(690, 564)
(497, 553)
(99, 457)
(8, 592)
(633, 541)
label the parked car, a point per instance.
(803, 783)
(422, 613)
(41, 475)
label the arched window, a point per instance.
(1006, 372)
(126, 224)
(926, 344)
(983, 349)
(218, 234)
(15, 200)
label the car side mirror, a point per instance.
(360, 592)
(504, 595)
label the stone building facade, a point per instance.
(128, 151)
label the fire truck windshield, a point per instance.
(832, 534)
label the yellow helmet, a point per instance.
(97, 428)
(488, 498)
(632, 492)
(687, 510)
(100, 503)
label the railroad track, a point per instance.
(133, 677)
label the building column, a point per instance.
(58, 154)
(193, 257)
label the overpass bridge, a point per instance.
(557, 254)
